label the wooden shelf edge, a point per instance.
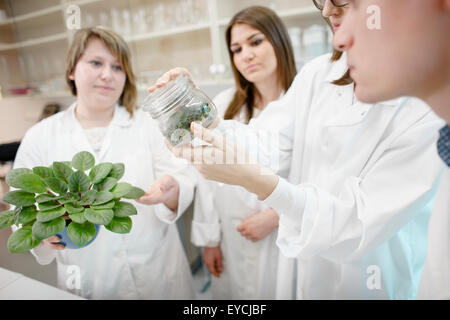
(33, 42)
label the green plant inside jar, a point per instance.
(50, 198)
(179, 123)
(176, 105)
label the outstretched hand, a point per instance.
(163, 190)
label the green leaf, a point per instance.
(134, 193)
(62, 171)
(124, 209)
(28, 224)
(78, 217)
(19, 198)
(106, 185)
(11, 177)
(81, 234)
(45, 216)
(103, 216)
(41, 198)
(83, 161)
(73, 208)
(66, 199)
(117, 171)
(31, 182)
(43, 172)
(48, 205)
(22, 241)
(44, 230)
(88, 198)
(27, 214)
(100, 172)
(103, 197)
(79, 182)
(16, 214)
(121, 189)
(56, 185)
(120, 225)
(6, 219)
(107, 205)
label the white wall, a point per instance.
(17, 115)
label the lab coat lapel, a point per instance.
(121, 118)
(79, 140)
(349, 111)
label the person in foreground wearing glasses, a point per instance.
(353, 211)
(416, 56)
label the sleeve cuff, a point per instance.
(289, 202)
(285, 197)
(43, 255)
(205, 234)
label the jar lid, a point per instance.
(163, 99)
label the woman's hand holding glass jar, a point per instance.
(224, 161)
(175, 101)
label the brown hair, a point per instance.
(268, 22)
(49, 110)
(117, 46)
(346, 79)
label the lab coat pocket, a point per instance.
(349, 133)
(351, 139)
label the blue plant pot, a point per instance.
(70, 244)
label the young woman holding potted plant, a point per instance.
(149, 262)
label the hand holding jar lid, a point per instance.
(175, 102)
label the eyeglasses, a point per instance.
(337, 3)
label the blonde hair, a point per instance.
(117, 45)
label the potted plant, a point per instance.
(66, 200)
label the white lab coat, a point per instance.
(147, 263)
(249, 268)
(362, 180)
(435, 282)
